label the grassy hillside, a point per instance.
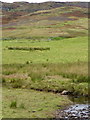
(44, 52)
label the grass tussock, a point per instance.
(13, 104)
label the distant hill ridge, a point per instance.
(32, 7)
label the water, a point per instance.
(80, 110)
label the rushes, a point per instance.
(49, 77)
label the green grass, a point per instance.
(36, 104)
(63, 67)
(61, 51)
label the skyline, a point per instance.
(39, 1)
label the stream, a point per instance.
(79, 110)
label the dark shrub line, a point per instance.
(27, 48)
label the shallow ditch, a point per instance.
(79, 110)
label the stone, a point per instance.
(65, 92)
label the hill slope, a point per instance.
(17, 9)
(44, 20)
